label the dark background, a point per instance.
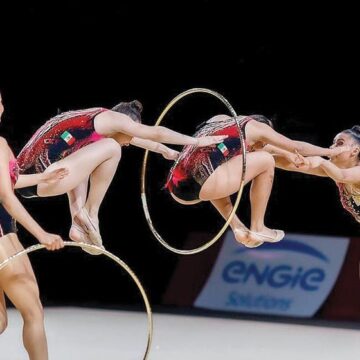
(298, 65)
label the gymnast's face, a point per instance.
(343, 139)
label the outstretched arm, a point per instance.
(15, 208)
(110, 122)
(310, 167)
(27, 180)
(293, 158)
(346, 176)
(321, 167)
(153, 146)
(265, 133)
(45, 177)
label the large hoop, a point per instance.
(111, 256)
(238, 198)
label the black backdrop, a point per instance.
(296, 64)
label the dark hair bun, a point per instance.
(132, 109)
(263, 119)
(356, 129)
(136, 105)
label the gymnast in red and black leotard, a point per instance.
(87, 143)
(214, 173)
(195, 165)
(59, 137)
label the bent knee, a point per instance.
(112, 146)
(266, 159)
(33, 313)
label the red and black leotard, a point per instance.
(59, 137)
(350, 200)
(196, 164)
(8, 223)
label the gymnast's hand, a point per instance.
(315, 161)
(54, 176)
(297, 159)
(337, 150)
(210, 140)
(51, 241)
(170, 154)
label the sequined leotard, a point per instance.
(7, 223)
(350, 199)
(195, 164)
(59, 137)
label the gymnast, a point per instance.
(343, 168)
(17, 280)
(88, 144)
(214, 173)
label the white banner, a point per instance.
(290, 278)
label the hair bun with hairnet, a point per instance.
(133, 109)
(356, 129)
(136, 105)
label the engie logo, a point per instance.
(279, 276)
(292, 277)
